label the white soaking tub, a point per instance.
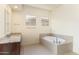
(52, 42)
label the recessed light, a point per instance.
(15, 6)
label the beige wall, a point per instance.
(30, 34)
(65, 21)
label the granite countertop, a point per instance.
(10, 39)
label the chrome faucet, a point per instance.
(57, 41)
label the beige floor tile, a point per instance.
(38, 49)
(71, 53)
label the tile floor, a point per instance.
(38, 49)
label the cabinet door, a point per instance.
(4, 49)
(1, 49)
(15, 50)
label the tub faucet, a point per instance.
(57, 41)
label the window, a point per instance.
(44, 21)
(30, 20)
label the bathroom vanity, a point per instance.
(10, 45)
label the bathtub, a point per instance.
(54, 40)
(56, 45)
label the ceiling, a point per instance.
(49, 7)
(16, 7)
(46, 6)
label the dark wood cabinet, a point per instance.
(10, 48)
(4, 49)
(15, 48)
